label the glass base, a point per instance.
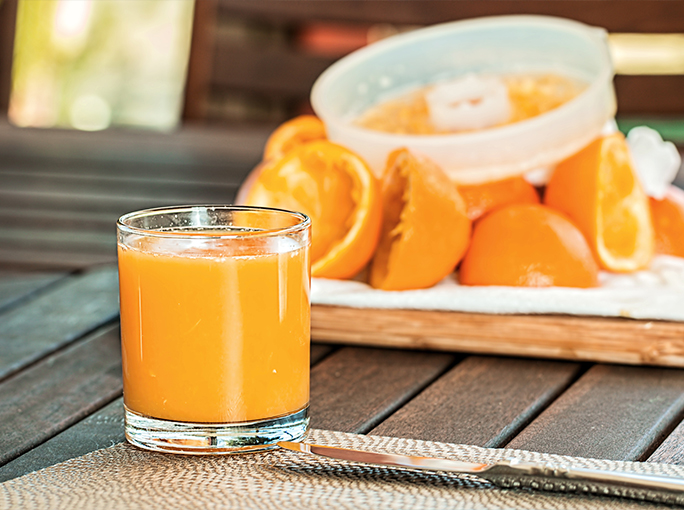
(213, 438)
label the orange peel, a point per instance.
(528, 245)
(598, 189)
(425, 228)
(668, 222)
(293, 133)
(337, 190)
(483, 198)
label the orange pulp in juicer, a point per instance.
(530, 95)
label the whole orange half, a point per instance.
(528, 245)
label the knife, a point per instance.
(513, 473)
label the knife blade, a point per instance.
(513, 473)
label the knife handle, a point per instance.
(514, 474)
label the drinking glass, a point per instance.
(215, 327)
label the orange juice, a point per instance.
(211, 334)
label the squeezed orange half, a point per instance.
(210, 336)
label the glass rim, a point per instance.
(303, 224)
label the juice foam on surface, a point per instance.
(213, 334)
(200, 244)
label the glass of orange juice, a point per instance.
(215, 327)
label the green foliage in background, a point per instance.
(95, 63)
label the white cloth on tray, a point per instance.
(656, 293)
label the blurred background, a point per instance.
(92, 64)
(108, 106)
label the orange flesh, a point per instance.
(530, 95)
(597, 188)
(212, 338)
(321, 189)
(395, 193)
(337, 190)
(668, 222)
(293, 133)
(617, 182)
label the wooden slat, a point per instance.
(8, 16)
(650, 95)
(670, 451)
(320, 351)
(103, 201)
(611, 412)
(171, 190)
(481, 401)
(101, 429)
(57, 392)
(55, 249)
(18, 287)
(66, 240)
(57, 220)
(81, 203)
(64, 313)
(41, 259)
(84, 202)
(190, 146)
(277, 71)
(615, 15)
(199, 64)
(550, 336)
(354, 389)
(225, 173)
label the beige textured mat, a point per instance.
(125, 477)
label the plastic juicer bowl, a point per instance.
(496, 45)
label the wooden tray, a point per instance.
(615, 340)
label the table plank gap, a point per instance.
(103, 428)
(59, 391)
(227, 172)
(81, 186)
(57, 220)
(42, 260)
(611, 412)
(408, 397)
(38, 178)
(321, 351)
(17, 289)
(482, 401)
(122, 198)
(71, 309)
(355, 387)
(670, 450)
(66, 240)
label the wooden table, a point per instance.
(60, 365)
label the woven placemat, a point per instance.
(125, 477)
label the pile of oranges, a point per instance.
(414, 226)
